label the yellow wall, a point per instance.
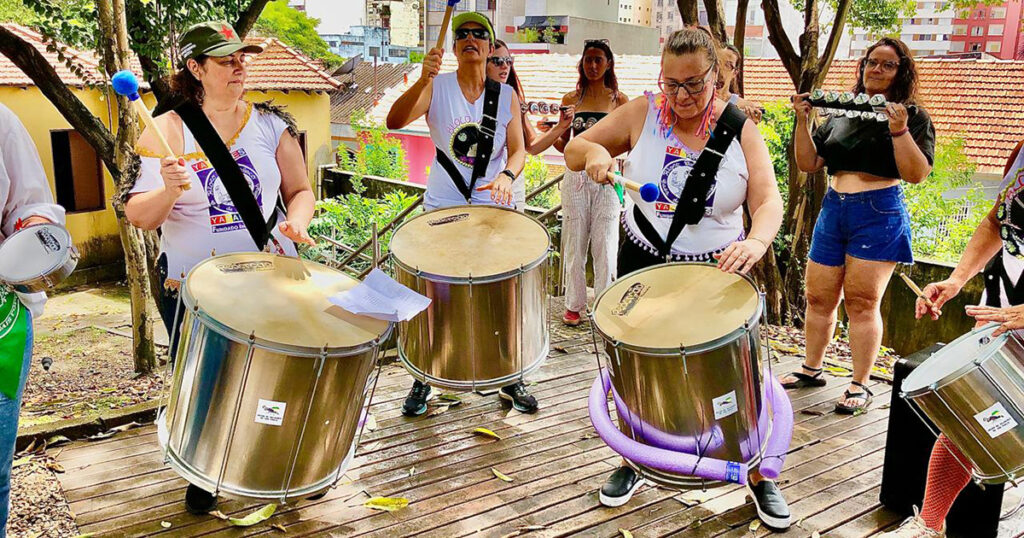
(95, 232)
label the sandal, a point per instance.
(804, 380)
(867, 395)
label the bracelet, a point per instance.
(900, 133)
(762, 241)
(508, 173)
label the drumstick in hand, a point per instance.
(647, 191)
(444, 23)
(125, 84)
(917, 291)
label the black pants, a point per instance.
(634, 258)
(167, 305)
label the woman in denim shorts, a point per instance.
(863, 229)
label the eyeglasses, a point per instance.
(731, 66)
(477, 33)
(889, 65)
(691, 87)
(500, 61)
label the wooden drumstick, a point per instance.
(125, 84)
(444, 23)
(648, 191)
(917, 291)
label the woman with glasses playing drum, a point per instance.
(732, 64)
(186, 200)
(500, 68)
(664, 134)
(25, 200)
(454, 105)
(1002, 302)
(590, 211)
(863, 229)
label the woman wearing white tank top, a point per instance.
(663, 135)
(453, 104)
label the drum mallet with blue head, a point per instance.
(648, 191)
(125, 84)
(444, 23)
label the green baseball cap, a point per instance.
(215, 38)
(472, 16)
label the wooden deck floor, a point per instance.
(120, 486)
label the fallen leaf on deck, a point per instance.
(838, 371)
(559, 349)
(388, 504)
(486, 433)
(812, 412)
(455, 400)
(859, 411)
(784, 348)
(218, 514)
(279, 527)
(754, 525)
(125, 427)
(625, 533)
(55, 467)
(165, 524)
(21, 461)
(256, 517)
(800, 523)
(438, 410)
(501, 476)
(57, 440)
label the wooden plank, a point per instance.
(875, 520)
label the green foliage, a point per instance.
(528, 35)
(939, 230)
(378, 155)
(16, 11)
(777, 129)
(536, 173)
(416, 56)
(349, 220)
(876, 16)
(297, 30)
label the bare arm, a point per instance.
(807, 158)
(514, 140)
(149, 210)
(763, 196)
(536, 144)
(910, 160)
(595, 149)
(415, 102)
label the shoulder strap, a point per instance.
(229, 172)
(484, 146)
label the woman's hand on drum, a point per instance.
(501, 190)
(296, 233)
(175, 175)
(1009, 318)
(741, 256)
(937, 293)
(600, 164)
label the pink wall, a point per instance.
(419, 153)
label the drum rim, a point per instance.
(962, 371)
(191, 306)
(70, 254)
(485, 279)
(704, 347)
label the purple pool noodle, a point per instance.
(656, 458)
(649, 192)
(782, 428)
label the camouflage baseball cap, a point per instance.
(215, 38)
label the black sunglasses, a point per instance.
(500, 61)
(477, 33)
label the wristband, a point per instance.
(508, 173)
(900, 133)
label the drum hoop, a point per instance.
(482, 279)
(703, 347)
(960, 372)
(66, 256)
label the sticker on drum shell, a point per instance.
(995, 420)
(448, 220)
(630, 299)
(270, 412)
(725, 405)
(246, 267)
(48, 240)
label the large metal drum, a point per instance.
(683, 341)
(270, 379)
(485, 270)
(973, 391)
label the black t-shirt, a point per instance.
(859, 145)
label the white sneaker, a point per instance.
(914, 527)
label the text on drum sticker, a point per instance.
(630, 299)
(270, 412)
(448, 220)
(246, 267)
(724, 405)
(995, 420)
(46, 238)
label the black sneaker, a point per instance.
(771, 505)
(620, 487)
(416, 402)
(198, 501)
(520, 398)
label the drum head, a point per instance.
(256, 292)
(33, 252)
(464, 241)
(672, 305)
(954, 359)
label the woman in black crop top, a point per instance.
(863, 229)
(590, 211)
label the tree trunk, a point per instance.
(739, 38)
(716, 20)
(688, 12)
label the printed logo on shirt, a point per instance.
(677, 168)
(1011, 215)
(464, 142)
(224, 217)
(9, 310)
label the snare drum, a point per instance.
(270, 379)
(683, 341)
(973, 391)
(37, 258)
(485, 270)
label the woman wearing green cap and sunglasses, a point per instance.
(185, 198)
(454, 106)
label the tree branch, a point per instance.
(842, 11)
(716, 20)
(157, 82)
(780, 40)
(688, 12)
(739, 38)
(45, 77)
(247, 19)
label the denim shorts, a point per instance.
(870, 225)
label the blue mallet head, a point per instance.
(125, 83)
(649, 192)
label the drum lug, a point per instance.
(252, 337)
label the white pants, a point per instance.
(590, 218)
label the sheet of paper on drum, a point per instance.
(379, 296)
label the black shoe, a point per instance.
(198, 501)
(520, 398)
(620, 486)
(771, 505)
(416, 402)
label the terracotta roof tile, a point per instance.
(11, 75)
(358, 91)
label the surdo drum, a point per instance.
(37, 258)
(973, 391)
(268, 392)
(485, 270)
(684, 370)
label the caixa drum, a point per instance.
(485, 270)
(973, 391)
(270, 380)
(37, 258)
(684, 370)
